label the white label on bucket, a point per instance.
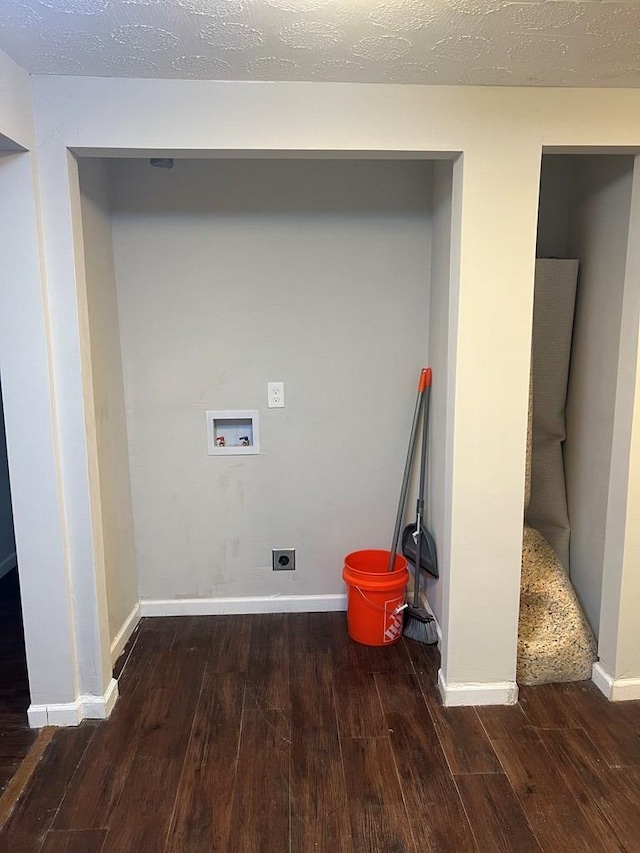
(393, 620)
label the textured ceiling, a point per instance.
(480, 42)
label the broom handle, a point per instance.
(425, 381)
(421, 490)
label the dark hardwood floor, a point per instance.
(15, 735)
(269, 734)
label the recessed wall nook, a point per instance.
(202, 284)
(335, 238)
(585, 348)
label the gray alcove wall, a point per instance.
(585, 202)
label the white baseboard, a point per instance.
(122, 637)
(471, 693)
(100, 707)
(37, 716)
(615, 689)
(73, 713)
(257, 604)
(8, 563)
(602, 680)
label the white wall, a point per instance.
(66, 336)
(16, 110)
(234, 273)
(16, 129)
(600, 198)
(618, 647)
(66, 642)
(626, 664)
(625, 628)
(28, 398)
(7, 539)
(500, 133)
(112, 451)
(493, 240)
(31, 443)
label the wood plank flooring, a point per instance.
(277, 734)
(15, 736)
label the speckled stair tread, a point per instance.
(555, 642)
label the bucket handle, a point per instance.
(398, 609)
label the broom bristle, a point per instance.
(420, 626)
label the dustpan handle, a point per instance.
(423, 384)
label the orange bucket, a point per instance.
(375, 597)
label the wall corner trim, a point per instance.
(615, 689)
(73, 713)
(122, 637)
(477, 693)
(256, 604)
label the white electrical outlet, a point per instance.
(275, 395)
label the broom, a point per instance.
(419, 624)
(423, 383)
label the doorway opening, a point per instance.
(15, 735)
(582, 372)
